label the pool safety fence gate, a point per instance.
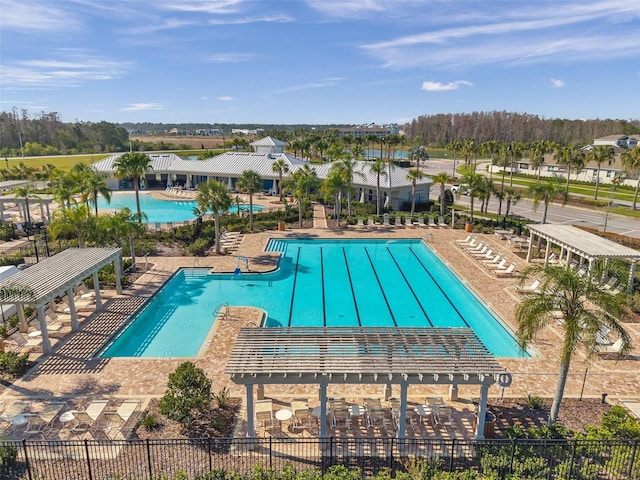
(150, 459)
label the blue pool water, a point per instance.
(158, 210)
(370, 283)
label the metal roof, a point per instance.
(234, 164)
(361, 355)
(159, 162)
(363, 176)
(584, 243)
(54, 276)
(268, 142)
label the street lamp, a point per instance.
(7, 160)
(614, 182)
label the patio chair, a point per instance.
(421, 222)
(432, 223)
(398, 221)
(360, 222)
(85, 420)
(533, 288)
(493, 262)
(484, 255)
(24, 344)
(611, 283)
(340, 417)
(502, 264)
(506, 272)
(466, 240)
(42, 423)
(476, 248)
(443, 416)
(408, 222)
(377, 418)
(441, 222)
(410, 414)
(119, 421)
(301, 413)
(11, 411)
(264, 414)
(614, 348)
(434, 402)
(371, 403)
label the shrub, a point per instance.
(199, 247)
(534, 402)
(151, 422)
(13, 364)
(188, 394)
(222, 397)
(8, 457)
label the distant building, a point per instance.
(208, 132)
(246, 131)
(364, 130)
(622, 141)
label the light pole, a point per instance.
(7, 161)
(614, 182)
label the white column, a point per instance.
(22, 319)
(402, 421)
(482, 411)
(46, 344)
(96, 288)
(75, 326)
(251, 433)
(117, 267)
(546, 254)
(530, 246)
(632, 275)
(323, 410)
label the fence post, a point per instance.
(270, 452)
(209, 451)
(453, 446)
(573, 456)
(86, 451)
(391, 467)
(633, 457)
(149, 459)
(513, 455)
(26, 458)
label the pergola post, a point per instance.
(75, 326)
(22, 319)
(482, 411)
(632, 275)
(46, 344)
(96, 288)
(530, 247)
(546, 253)
(402, 421)
(250, 427)
(117, 268)
(323, 410)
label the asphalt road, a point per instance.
(557, 213)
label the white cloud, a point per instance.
(557, 83)
(139, 107)
(444, 87)
(230, 57)
(347, 8)
(219, 7)
(22, 16)
(225, 98)
(328, 82)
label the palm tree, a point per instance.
(631, 160)
(413, 176)
(545, 193)
(26, 192)
(570, 157)
(332, 188)
(442, 178)
(250, 182)
(214, 196)
(598, 155)
(119, 227)
(91, 185)
(280, 167)
(516, 154)
(512, 197)
(418, 154)
(65, 186)
(455, 146)
(379, 169)
(70, 222)
(586, 308)
(300, 184)
(485, 190)
(133, 165)
(346, 167)
(474, 185)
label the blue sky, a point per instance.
(318, 61)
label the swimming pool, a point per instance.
(158, 210)
(381, 283)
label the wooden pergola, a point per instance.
(587, 246)
(344, 355)
(41, 283)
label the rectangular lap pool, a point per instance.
(369, 283)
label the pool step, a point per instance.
(196, 272)
(276, 246)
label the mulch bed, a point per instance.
(574, 413)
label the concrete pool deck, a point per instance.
(73, 373)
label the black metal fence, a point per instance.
(149, 459)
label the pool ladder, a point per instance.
(219, 309)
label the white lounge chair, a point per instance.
(85, 420)
(408, 222)
(466, 240)
(476, 248)
(533, 288)
(611, 283)
(500, 266)
(119, 421)
(493, 262)
(507, 271)
(432, 222)
(264, 414)
(614, 348)
(41, 423)
(441, 222)
(300, 413)
(360, 222)
(487, 255)
(421, 222)
(479, 253)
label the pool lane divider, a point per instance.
(353, 293)
(453, 305)
(293, 290)
(410, 287)
(384, 295)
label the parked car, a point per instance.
(463, 188)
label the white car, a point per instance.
(462, 188)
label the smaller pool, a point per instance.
(158, 210)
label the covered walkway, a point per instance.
(344, 355)
(41, 283)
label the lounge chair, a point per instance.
(264, 414)
(301, 414)
(85, 420)
(443, 416)
(120, 419)
(410, 414)
(370, 222)
(360, 222)
(505, 271)
(12, 411)
(377, 418)
(42, 423)
(421, 222)
(493, 262)
(340, 417)
(614, 348)
(633, 406)
(476, 248)
(466, 240)
(533, 288)
(441, 222)
(469, 244)
(485, 254)
(432, 222)
(611, 283)
(24, 344)
(408, 222)
(398, 221)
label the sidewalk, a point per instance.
(319, 216)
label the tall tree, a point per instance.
(300, 184)
(280, 167)
(598, 155)
(418, 154)
(213, 196)
(545, 193)
(250, 182)
(73, 222)
(346, 168)
(586, 309)
(474, 187)
(26, 192)
(413, 176)
(454, 146)
(570, 157)
(91, 185)
(631, 161)
(379, 169)
(442, 179)
(133, 165)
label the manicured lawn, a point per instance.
(62, 162)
